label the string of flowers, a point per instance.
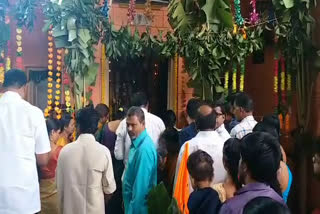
(226, 82)
(58, 84)
(8, 60)
(234, 78)
(238, 18)
(254, 16)
(280, 116)
(275, 83)
(242, 72)
(287, 123)
(283, 81)
(2, 69)
(131, 11)
(50, 74)
(19, 53)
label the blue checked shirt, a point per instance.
(243, 128)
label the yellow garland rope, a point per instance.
(2, 68)
(50, 75)
(275, 84)
(234, 78)
(288, 82)
(8, 60)
(58, 84)
(103, 74)
(226, 81)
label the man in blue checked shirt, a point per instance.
(141, 173)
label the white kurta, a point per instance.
(223, 133)
(23, 134)
(84, 175)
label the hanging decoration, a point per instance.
(50, 75)
(148, 10)
(242, 72)
(238, 18)
(58, 84)
(254, 16)
(280, 116)
(176, 58)
(283, 81)
(226, 82)
(2, 69)
(234, 78)
(19, 53)
(103, 73)
(287, 123)
(105, 9)
(131, 11)
(8, 60)
(275, 83)
(67, 97)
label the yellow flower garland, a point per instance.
(58, 86)
(226, 80)
(50, 74)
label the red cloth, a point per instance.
(49, 171)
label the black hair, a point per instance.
(261, 152)
(65, 120)
(265, 205)
(221, 105)
(15, 78)
(136, 111)
(200, 166)
(264, 127)
(171, 139)
(272, 120)
(192, 107)
(52, 125)
(120, 113)
(87, 120)
(205, 122)
(231, 158)
(231, 98)
(169, 118)
(244, 101)
(139, 99)
(103, 110)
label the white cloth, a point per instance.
(244, 127)
(84, 175)
(154, 126)
(210, 142)
(223, 133)
(23, 133)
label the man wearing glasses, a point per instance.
(220, 118)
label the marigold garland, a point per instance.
(281, 121)
(19, 53)
(234, 78)
(58, 82)
(226, 82)
(50, 75)
(242, 73)
(275, 83)
(1, 72)
(287, 123)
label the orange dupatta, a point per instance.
(181, 191)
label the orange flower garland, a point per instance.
(58, 84)
(50, 75)
(287, 123)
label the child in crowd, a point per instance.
(203, 200)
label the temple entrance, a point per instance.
(148, 74)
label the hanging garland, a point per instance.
(2, 69)
(242, 72)
(238, 18)
(234, 78)
(148, 10)
(275, 84)
(8, 60)
(226, 82)
(58, 83)
(254, 16)
(50, 75)
(283, 81)
(131, 11)
(19, 53)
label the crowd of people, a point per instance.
(223, 161)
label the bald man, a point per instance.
(207, 140)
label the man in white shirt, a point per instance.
(84, 172)
(220, 117)
(207, 140)
(24, 143)
(243, 111)
(154, 126)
